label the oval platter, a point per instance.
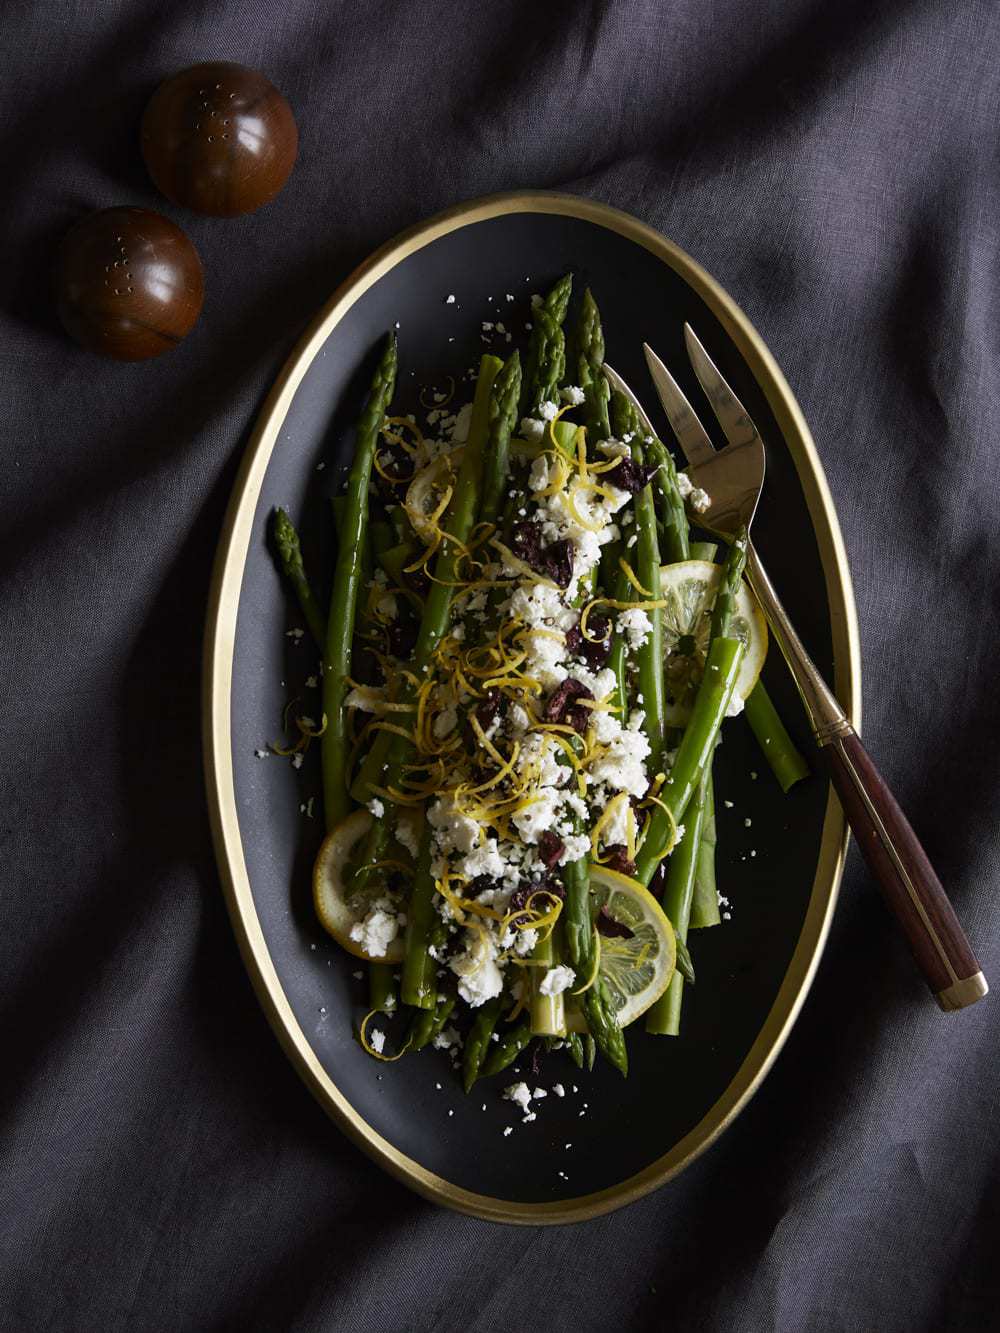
(753, 970)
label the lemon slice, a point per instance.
(637, 970)
(428, 489)
(689, 592)
(329, 886)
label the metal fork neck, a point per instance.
(825, 714)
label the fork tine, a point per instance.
(691, 434)
(732, 416)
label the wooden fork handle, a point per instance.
(888, 843)
(904, 874)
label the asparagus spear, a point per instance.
(779, 749)
(669, 503)
(419, 968)
(589, 1051)
(504, 397)
(557, 300)
(427, 1023)
(710, 705)
(381, 987)
(576, 912)
(434, 621)
(664, 1017)
(574, 1044)
(550, 362)
(649, 656)
(286, 541)
(478, 1041)
(604, 1026)
(548, 1012)
(546, 357)
(705, 904)
(508, 1048)
(346, 580)
(588, 348)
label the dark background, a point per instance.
(836, 167)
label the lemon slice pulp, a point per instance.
(689, 588)
(336, 912)
(636, 969)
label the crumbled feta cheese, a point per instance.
(376, 1040)
(479, 977)
(572, 394)
(558, 1089)
(532, 429)
(575, 846)
(525, 942)
(483, 860)
(636, 625)
(450, 299)
(455, 832)
(376, 807)
(546, 657)
(533, 819)
(622, 766)
(556, 980)
(446, 1038)
(377, 931)
(548, 410)
(519, 1094)
(261, 754)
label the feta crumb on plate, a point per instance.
(556, 980)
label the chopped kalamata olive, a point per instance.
(526, 542)
(488, 708)
(659, 881)
(550, 848)
(557, 562)
(564, 706)
(596, 648)
(630, 476)
(482, 884)
(617, 858)
(608, 926)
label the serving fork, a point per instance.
(731, 479)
